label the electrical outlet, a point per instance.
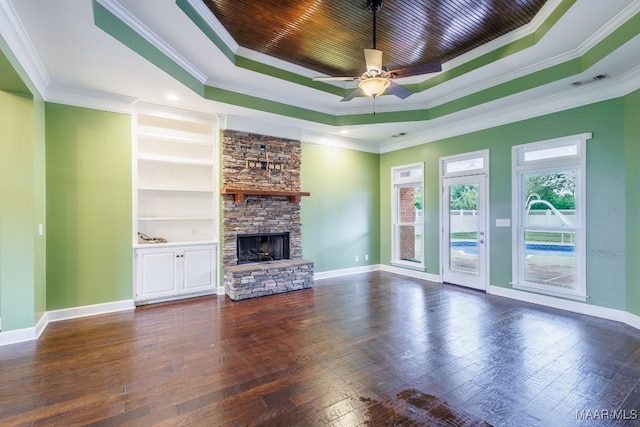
(366, 257)
(357, 258)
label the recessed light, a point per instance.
(172, 97)
(344, 131)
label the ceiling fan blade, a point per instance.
(399, 91)
(430, 67)
(373, 58)
(352, 95)
(325, 79)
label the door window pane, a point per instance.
(463, 228)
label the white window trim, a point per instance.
(484, 154)
(578, 162)
(397, 182)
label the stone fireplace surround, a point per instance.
(271, 210)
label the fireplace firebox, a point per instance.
(262, 247)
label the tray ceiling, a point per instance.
(329, 36)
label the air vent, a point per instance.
(591, 80)
(398, 135)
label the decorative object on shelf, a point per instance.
(147, 239)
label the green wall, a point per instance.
(605, 205)
(340, 219)
(22, 253)
(89, 205)
(632, 180)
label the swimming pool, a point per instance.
(532, 248)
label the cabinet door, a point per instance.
(155, 273)
(198, 268)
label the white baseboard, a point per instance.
(345, 272)
(18, 336)
(88, 310)
(568, 305)
(416, 274)
(29, 334)
(378, 267)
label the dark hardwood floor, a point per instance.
(373, 349)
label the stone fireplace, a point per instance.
(262, 238)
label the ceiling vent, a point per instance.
(399, 134)
(591, 80)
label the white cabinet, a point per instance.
(166, 272)
(175, 203)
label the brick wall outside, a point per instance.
(407, 214)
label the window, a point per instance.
(407, 216)
(549, 216)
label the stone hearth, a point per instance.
(262, 213)
(267, 278)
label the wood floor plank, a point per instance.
(373, 349)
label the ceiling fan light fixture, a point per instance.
(374, 86)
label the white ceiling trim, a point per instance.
(20, 44)
(485, 117)
(606, 30)
(177, 113)
(214, 24)
(86, 98)
(159, 43)
(253, 92)
(320, 138)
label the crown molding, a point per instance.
(19, 43)
(319, 138)
(491, 115)
(176, 113)
(80, 97)
(607, 29)
(159, 43)
(213, 23)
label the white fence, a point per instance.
(467, 220)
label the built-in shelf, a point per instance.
(177, 190)
(175, 218)
(171, 159)
(294, 196)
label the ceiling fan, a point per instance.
(377, 79)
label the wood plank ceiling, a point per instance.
(328, 36)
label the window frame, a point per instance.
(396, 184)
(520, 168)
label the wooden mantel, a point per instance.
(239, 193)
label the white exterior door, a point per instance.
(464, 231)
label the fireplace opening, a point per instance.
(262, 247)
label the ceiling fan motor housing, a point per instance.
(374, 5)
